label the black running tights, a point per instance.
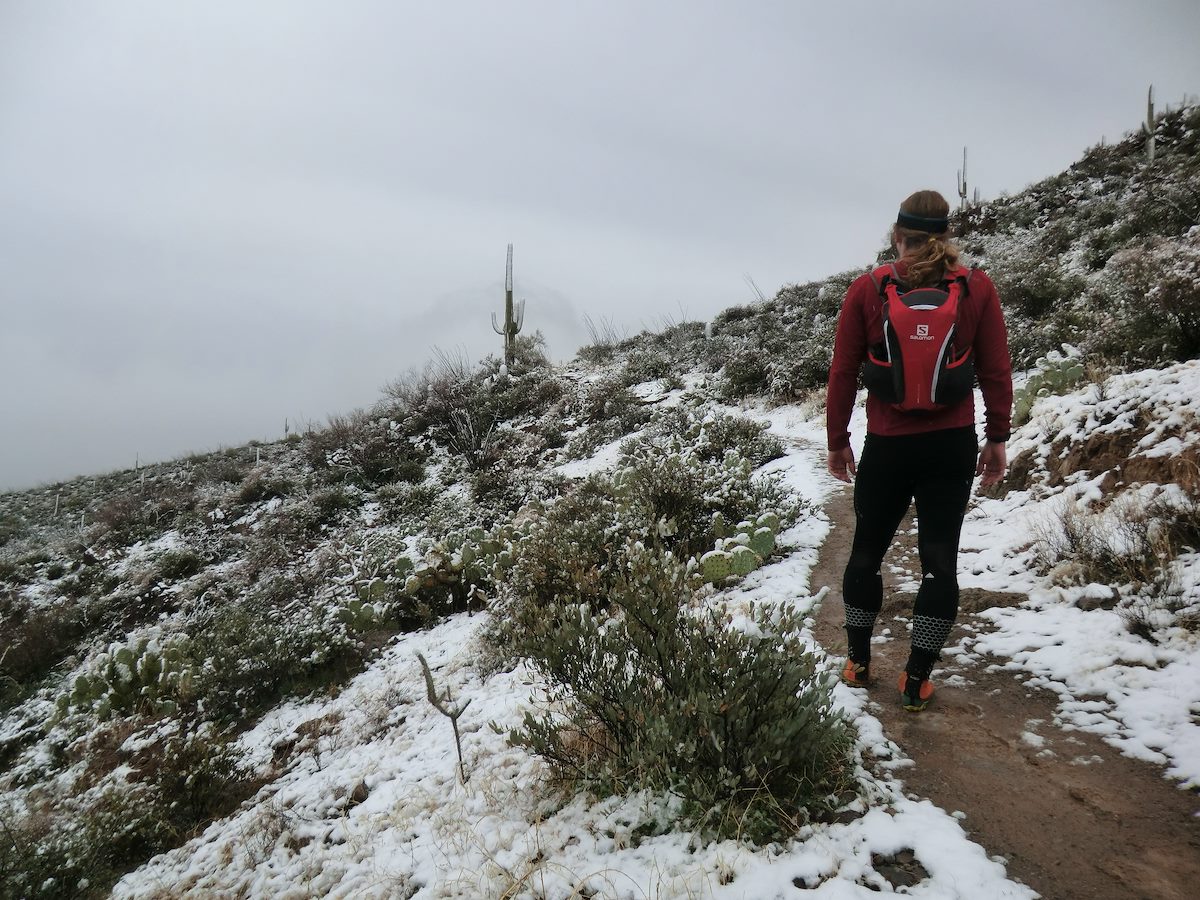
(936, 470)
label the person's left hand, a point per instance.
(993, 461)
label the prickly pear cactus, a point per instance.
(466, 563)
(716, 566)
(762, 542)
(744, 560)
(359, 616)
(768, 520)
(140, 677)
(720, 527)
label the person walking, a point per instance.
(921, 443)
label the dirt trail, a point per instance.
(1080, 821)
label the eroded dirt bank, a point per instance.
(1073, 817)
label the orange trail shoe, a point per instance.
(915, 696)
(856, 674)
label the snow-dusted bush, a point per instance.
(261, 485)
(272, 643)
(608, 409)
(711, 434)
(1149, 297)
(178, 786)
(33, 640)
(661, 695)
(364, 450)
(669, 492)
(569, 552)
(1131, 546)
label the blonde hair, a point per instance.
(929, 256)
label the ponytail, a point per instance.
(928, 253)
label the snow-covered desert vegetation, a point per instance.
(547, 633)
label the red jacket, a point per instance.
(980, 326)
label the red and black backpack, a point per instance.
(915, 368)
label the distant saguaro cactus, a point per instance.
(513, 318)
(962, 182)
(1148, 127)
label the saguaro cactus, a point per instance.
(962, 182)
(1149, 126)
(514, 318)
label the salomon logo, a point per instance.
(922, 334)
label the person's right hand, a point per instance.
(841, 464)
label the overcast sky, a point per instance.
(218, 215)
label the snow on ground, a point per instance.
(1142, 697)
(373, 806)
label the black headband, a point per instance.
(920, 223)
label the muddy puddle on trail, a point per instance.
(1071, 815)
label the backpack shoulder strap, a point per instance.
(881, 276)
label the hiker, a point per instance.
(944, 329)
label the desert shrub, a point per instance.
(670, 492)
(550, 431)
(610, 411)
(121, 520)
(662, 494)
(329, 503)
(1149, 296)
(531, 393)
(33, 640)
(273, 643)
(365, 451)
(737, 723)
(646, 364)
(262, 485)
(712, 434)
(568, 553)
(176, 787)
(1032, 280)
(222, 467)
(198, 773)
(780, 347)
(805, 366)
(176, 565)
(528, 353)
(12, 526)
(501, 481)
(604, 337)
(22, 568)
(81, 855)
(1031, 339)
(1131, 544)
(403, 501)
(746, 372)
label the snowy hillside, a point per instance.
(209, 672)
